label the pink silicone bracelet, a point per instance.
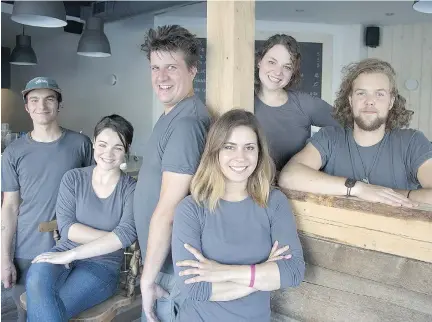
(252, 280)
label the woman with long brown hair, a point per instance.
(285, 113)
(232, 235)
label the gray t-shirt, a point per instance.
(35, 170)
(392, 163)
(237, 233)
(287, 127)
(175, 145)
(77, 202)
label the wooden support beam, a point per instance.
(400, 231)
(230, 55)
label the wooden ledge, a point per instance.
(423, 212)
(394, 230)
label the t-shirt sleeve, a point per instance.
(9, 172)
(419, 151)
(185, 146)
(284, 230)
(125, 230)
(187, 230)
(66, 204)
(318, 110)
(324, 141)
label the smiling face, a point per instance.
(172, 80)
(238, 157)
(42, 106)
(371, 100)
(275, 68)
(109, 151)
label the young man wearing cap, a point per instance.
(373, 157)
(31, 170)
(172, 156)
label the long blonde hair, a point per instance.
(208, 184)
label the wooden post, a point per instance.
(230, 55)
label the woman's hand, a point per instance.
(207, 270)
(55, 258)
(276, 254)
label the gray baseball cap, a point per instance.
(41, 82)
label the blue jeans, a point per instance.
(166, 308)
(22, 266)
(56, 293)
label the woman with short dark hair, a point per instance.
(95, 219)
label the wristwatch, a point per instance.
(350, 183)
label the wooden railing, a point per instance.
(405, 232)
(365, 262)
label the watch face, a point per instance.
(349, 183)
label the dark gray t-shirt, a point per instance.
(287, 127)
(175, 145)
(77, 202)
(392, 163)
(237, 233)
(35, 170)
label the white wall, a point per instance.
(409, 49)
(342, 44)
(88, 95)
(13, 112)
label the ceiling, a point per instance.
(72, 8)
(332, 12)
(78, 10)
(119, 9)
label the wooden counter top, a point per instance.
(400, 231)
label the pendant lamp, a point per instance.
(424, 6)
(23, 53)
(93, 41)
(50, 14)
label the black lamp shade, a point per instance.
(50, 14)
(93, 41)
(23, 53)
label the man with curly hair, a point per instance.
(373, 156)
(172, 155)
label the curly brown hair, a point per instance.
(173, 38)
(398, 116)
(293, 48)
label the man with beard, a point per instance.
(371, 156)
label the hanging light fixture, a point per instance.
(50, 14)
(424, 6)
(93, 41)
(23, 53)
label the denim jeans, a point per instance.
(56, 293)
(166, 308)
(22, 266)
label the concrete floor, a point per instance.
(8, 308)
